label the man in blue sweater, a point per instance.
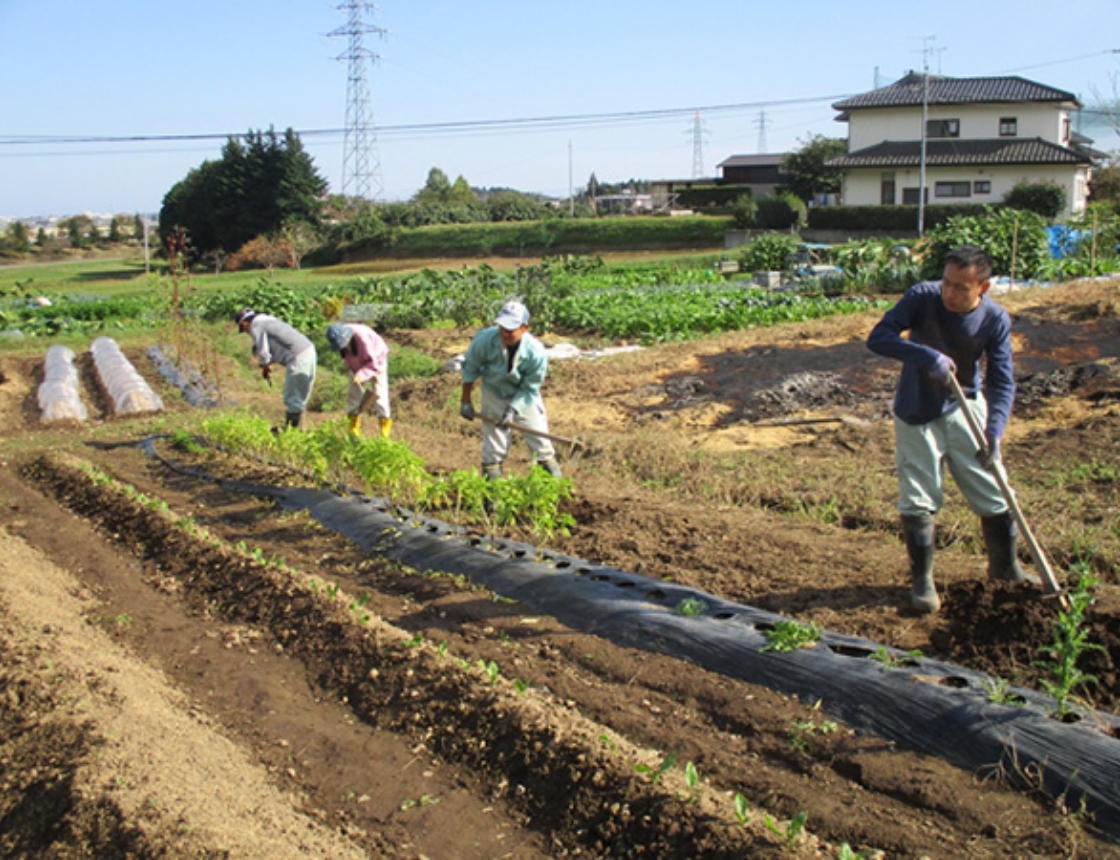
(952, 323)
(512, 364)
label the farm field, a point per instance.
(191, 669)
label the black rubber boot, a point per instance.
(551, 466)
(293, 420)
(1001, 540)
(918, 533)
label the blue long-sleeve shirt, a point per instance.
(965, 338)
(487, 358)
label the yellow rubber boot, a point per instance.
(385, 425)
(354, 423)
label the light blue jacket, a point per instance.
(487, 359)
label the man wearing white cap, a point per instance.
(512, 364)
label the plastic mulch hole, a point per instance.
(600, 577)
(723, 616)
(561, 565)
(518, 553)
(655, 594)
(583, 571)
(624, 583)
(1069, 717)
(850, 651)
(433, 528)
(475, 541)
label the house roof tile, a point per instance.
(907, 92)
(959, 153)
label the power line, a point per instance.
(541, 123)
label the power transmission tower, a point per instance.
(361, 164)
(761, 123)
(697, 147)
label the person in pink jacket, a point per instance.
(366, 356)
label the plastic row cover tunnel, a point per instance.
(932, 707)
(130, 392)
(59, 397)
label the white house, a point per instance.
(982, 137)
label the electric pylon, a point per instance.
(361, 164)
(697, 147)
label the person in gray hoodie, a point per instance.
(276, 342)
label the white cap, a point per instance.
(513, 315)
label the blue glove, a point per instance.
(989, 456)
(466, 409)
(944, 369)
(510, 418)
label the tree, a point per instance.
(806, 170)
(436, 189)
(261, 182)
(15, 238)
(1105, 185)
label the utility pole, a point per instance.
(571, 191)
(922, 155)
(361, 165)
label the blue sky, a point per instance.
(128, 68)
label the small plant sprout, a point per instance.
(690, 606)
(742, 809)
(792, 830)
(424, 800)
(332, 590)
(791, 635)
(442, 649)
(520, 686)
(849, 853)
(890, 660)
(801, 730)
(607, 742)
(692, 780)
(655, 773)
(490, 668)
(415, 642)
(999, 692)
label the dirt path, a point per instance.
(184, 693)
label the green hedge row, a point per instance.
(581, 235)
(889, 219)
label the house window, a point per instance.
(952, 189)
(1008, 126)
(982, 187)
(910, 196)
(886, 189)
(943, 128)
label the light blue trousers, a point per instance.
(299, 378)
(496, 440)
(922, 453)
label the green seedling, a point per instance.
(742, 810)
(690, 606)
(655, 773)
(1071, 640)
(792, 830)
(891, 660)
(520, 686)
(999, 692)
(491, 670)
(790, 635)
(607, 742)
(849, 853)
(692, 780)
(442, 649)
(332, 590)
(800, 731)
(415, 642)
(424, 800)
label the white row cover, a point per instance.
(130, 392)
(59, 398)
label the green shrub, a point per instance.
(780, 212)
(1048, 199)
(1015, 240)
(745, 211)
(770, 252)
